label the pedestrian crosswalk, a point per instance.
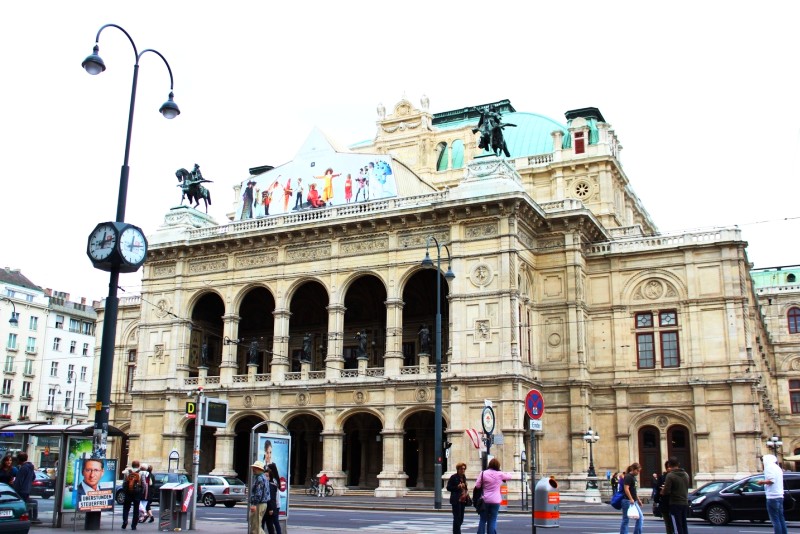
(423, 525)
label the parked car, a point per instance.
(43, 486)
(159, 479)
(14, 518)
(745, 500)
(711, 487)
(227, 490)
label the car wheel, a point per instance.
(230, 504)
(45, 496)
(209, 500)
(120, 498)
(718, 515)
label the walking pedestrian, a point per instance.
(457, 486)
(614, 482)
(323, 481)
(631, 500)
(773, 489)
(259, 497)
(490, 480)
(676, 490)
(271, 519)
(133, 487)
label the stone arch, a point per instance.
(669, 282)
(242, 292)
(790, 362)
(362, 447)
(407, 413)
(195, 297)
(306, 427)
(353, 277)
(296, 284)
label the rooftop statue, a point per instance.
(192, 188)
(491, 127)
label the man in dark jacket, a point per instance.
(25, 477)
(676, 486)
(662, 501)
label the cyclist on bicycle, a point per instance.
(323, 481)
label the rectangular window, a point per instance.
(646, 350)
(57, 343)
(670, 355)
(8, 385)
(28, 367)
(31, 346)
(85, 349)
(132, 356)
(53, 368)
(60, 321)
(12, 342)
(644, 320)
(70, 373)
(9, 367)
(794, 395)
(580, 143)
(23, 412)
(83, 374)
(793, 316)
(129, 378)
(26, 390)
(87, 328)
(74, 325)
(51, 396)
(80, 400)
(67, 400)
(73, 345)
(34, 323)
(4, 407)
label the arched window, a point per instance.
(791, 278)
(458, 154)
(442, 160)
(794, 320)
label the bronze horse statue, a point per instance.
(192, 188)
(491, 127)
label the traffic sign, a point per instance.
(535, 424)
(487, 419)
(534, 404)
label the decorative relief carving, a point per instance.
(795, 364)
(422, 395)
(163, 270)
(482, 329)
(158, 352)
(481, 230)
(207, 265)
(654, 289)
(308, 253)
(527, 239)
(162, 308)
(248, 401)
(481, 275)
(359, 397)
(662, 421)
(402, 126)
(419, 239)
(551, 244)
(302, 399)
(364, 246)
(554, 340)
(265, 257)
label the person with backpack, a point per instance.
(150, 496)
(133, 488)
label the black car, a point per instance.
(159, 479)
(43, 486)
(745, 500)
(711, 487)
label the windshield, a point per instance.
(233, 481)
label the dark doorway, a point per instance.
(649, 455)
(678, 446)
(306, 459)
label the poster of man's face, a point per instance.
(94, 485)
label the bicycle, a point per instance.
(313, 487)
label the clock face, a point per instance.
(132, 245)
(102, 242)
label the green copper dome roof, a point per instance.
(531, 136)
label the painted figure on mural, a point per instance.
(327, 189)
(248, 200)
(298, 200)
(287, 195)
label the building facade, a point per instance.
(315, 311)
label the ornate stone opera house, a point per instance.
(562, 283)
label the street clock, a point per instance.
(117, 245)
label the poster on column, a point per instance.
(274, 449)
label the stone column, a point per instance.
(223, 464)
(393, 359)
(332, 458)
(334, 359)
(392, 480)
(229, 366)
(280, 345)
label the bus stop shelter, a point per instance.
(63, 442)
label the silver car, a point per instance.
(227, 490)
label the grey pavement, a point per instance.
(342, 502)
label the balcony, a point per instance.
(25, 397)
(5, 417)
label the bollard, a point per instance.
(503, 497)
(546, 500)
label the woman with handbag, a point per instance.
(631, 504)
(459, 496)
(490, 481)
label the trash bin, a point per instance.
(545, 503)
(504, 497)
(175, 503)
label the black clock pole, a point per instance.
(95, 65)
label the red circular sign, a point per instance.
(534, 404)
(283, 484)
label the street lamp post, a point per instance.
(437, 426)
(94, 65)
(774, 444)
(591, 437)
(13, 321)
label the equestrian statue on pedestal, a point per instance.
(192, 188)
(491, 127)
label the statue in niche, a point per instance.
(204, 361)
(361, 353)
(252, 353)
(424, 339)
(306, 356)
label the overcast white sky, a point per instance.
(703, 96)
